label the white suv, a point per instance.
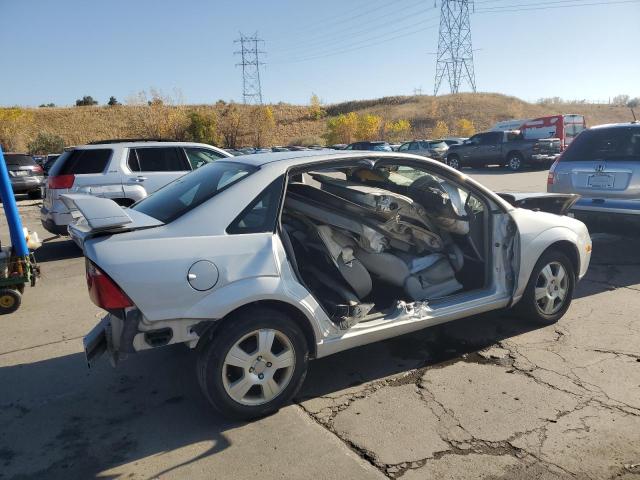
(122, 170)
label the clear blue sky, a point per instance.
(59, 50)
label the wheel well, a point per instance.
(290, 310)
(514, 151)
(570, 250)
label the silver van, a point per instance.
(602, 165)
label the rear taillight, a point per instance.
(103, 291)
(61, 181)
(551, 176)
(37, 169)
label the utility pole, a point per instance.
(250, 63)
(455, 53)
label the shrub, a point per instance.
(306, 141)
(203, 127)
(46, 143)
(465, 128)
(440, 130)
(397, 131)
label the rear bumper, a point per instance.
(55, 222)
(544, 158)
(26, 184)
(608, 215)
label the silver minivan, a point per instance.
(603, 166)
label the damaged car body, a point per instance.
(263, 262)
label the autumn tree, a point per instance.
(13, 123)
(315, 108)
(230, 124)
(342, 129)
(440, 130)
(397, 131)
(45, 143)
(465, 128)
(263, 124)
(368, 127)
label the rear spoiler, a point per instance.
(103, 214)
(558, 203)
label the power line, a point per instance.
(455, 52)
(530, 6)
(250, 63)
(319, 39)
(368, 44)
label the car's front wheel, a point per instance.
(453, 161)
(550, 289)
(253, 365)
(514, 161)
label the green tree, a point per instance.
(203, 127)
(113, 101)
(45, 143)
(46, 105)
(86, 101)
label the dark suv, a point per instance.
(375, 146)
(25, 174)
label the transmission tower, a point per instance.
(455, 54)
(250, 63)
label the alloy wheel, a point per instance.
(514, 162)
(258, 367)
(552, 287)
(453, 163)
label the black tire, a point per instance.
(529, 307)
(454, 162)
(212, 354)
(34, 194)
(10, 300)
(515, 162)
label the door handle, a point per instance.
(139, 179)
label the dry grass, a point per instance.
(78, 125)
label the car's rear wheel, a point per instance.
(550, 289)
(453, 161)
(253, 365)
(514, 161)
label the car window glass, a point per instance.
(414, 146)
(403, 147)
(78, 162)
(617, 143)
(161, 160)
(18, 160)
(189, 191)
(261, 214)
(201, 156)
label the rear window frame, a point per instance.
(577, 143)
(60, 167)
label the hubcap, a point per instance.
(453, 163)
(552, 287)
(258, 367)
(7, 301)
(514, 163)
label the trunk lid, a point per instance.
(97, 215)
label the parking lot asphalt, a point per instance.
(485, 397)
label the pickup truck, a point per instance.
(506, 148)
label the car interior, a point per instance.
(364, 238)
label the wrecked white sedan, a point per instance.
(262, 262)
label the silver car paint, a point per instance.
(152, 265)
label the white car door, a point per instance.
(154, 167)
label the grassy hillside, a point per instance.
(79, 125)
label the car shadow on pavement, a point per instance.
(615, 263)
(59, 421)
(57, 248)
(426, 348)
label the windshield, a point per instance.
(193, 189)
(619, 143)
(382, 147)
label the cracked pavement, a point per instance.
(489, 397)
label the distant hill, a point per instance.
(79, 125)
